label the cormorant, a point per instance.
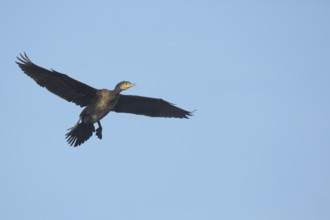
(97, 102)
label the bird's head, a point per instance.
(124, 85)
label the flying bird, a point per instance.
(97, 102)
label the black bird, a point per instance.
(98, 102)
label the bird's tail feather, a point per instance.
(80, 133)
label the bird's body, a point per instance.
(105, 101)
(97, 103)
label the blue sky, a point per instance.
(258, 73)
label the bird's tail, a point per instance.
(80, 133)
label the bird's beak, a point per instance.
(132, 85)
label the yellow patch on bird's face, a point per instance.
(124, 86)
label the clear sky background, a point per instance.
(258, 73)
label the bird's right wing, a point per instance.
(58, 83)
(149, 107)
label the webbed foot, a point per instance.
(99, 132)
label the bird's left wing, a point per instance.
(58, 83)
(149, 106)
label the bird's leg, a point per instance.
(99, 130)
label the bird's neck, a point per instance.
(116, 91)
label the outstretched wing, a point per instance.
(57, 83)
(149, 106)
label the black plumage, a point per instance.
(97, 103)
